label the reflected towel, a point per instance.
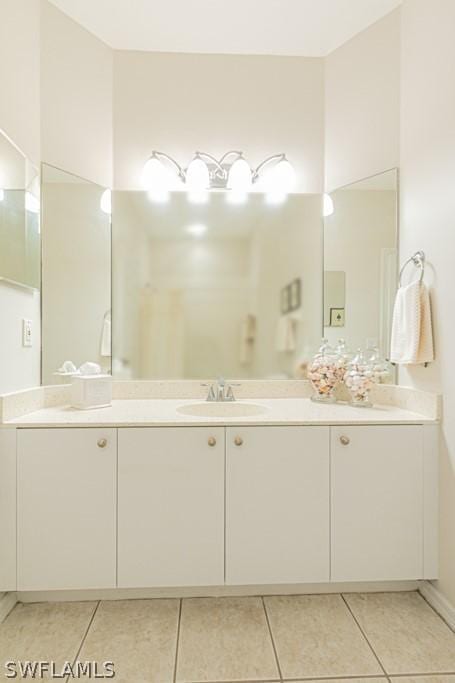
(412, 334)
(286, 334)
(105, 349)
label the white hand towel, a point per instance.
(285, 334)
(105, 349)
(412, 334)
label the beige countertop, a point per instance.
(165, 413)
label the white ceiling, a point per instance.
(310, 28)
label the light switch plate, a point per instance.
(27, 337)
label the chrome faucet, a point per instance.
(220, 390)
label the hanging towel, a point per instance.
(247, 339)
(105, 349)
(285, 334)
(412, 334)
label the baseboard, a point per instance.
(7, 603)
(439, 603)
(214, 591)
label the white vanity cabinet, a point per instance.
(379, 503)
(171, 506)
(7, 509)
(277, 505)
(66, 508)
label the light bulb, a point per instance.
(197, 176)
(159, 196)
(236, 197)
(106, 202)
(239, 179)
(197, 229)
(31, 203)
(327, 205)
(198, 196)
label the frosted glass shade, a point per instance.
(239, 179)
(155, 176)
(197, 176)
(283, 177)
(327, 205)
(2, 194)
(106, 202)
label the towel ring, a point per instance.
(418, 259)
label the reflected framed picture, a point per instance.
(284, 303)
(337, 317)
(295, 294)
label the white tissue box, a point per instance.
(91, 391)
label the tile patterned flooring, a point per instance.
(370, 638)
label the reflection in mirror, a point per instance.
(202, 290)
(360, 263)
(19, 218)
(76, 273)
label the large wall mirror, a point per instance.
(19, 218)
(360, 262)
(217, 288)
(244, 290)
(76, 273)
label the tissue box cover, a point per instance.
(91, 391)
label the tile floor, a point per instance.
(368, 637)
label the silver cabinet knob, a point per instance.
(212, 441)
(345, 440)
(238, 441)
(102, 443)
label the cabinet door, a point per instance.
(171, 507)
(277, 505)
(7, 509)
(66, 508)
(377, 503)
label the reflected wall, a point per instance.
(199, 290)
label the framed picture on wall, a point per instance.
(337, 317)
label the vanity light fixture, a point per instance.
(232, 172)
(327, 205)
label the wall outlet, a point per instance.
(27, 336)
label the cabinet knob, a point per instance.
(345, 440)
(102, 443)
(238, 441)
(212, 441)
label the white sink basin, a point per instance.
(234, 409)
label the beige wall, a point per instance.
(427, 215)
(362, 93)
(76, 98)
(178, 103)
(20, 119)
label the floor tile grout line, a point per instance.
(364, 635)
(177, 641)
(269, 626)
(84, 637)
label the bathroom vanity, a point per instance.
(141, 495)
